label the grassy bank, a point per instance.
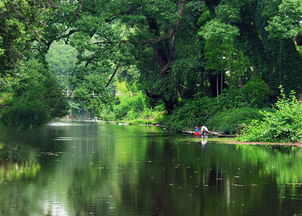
(234, 141)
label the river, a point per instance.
(106, 169)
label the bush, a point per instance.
(192, 113)
(130, 107)
(227, 113)
(255, 93)
(26, 111)
(133, 107)
(283, 124)
(230, 121)
(106, 113)
(35, 99)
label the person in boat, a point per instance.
(204, 131)
(196, 131)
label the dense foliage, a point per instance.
(283, 124)
(192, 113)
(61, 59)
(223, 115)
(132, 106)
(201, 60)
(232, 121)
(30, 93)
(35, 98)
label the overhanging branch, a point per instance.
(171, 31)
(112, 76)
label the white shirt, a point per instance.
(204, 128)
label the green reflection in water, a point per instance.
(17, 161)
(284, 163)
(14, 171)
(106, 169)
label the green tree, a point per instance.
(36, 98)
(91, 96)
(286, 23)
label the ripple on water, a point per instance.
(63, 138)
(63, 124)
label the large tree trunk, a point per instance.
(163, 50)
(299, 39)
(163, 45)
(211, 4)
(216, 84)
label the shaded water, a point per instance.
(106, 169)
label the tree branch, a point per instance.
(48, 43)
(171, 30)
(112, 76)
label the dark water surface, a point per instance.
(107, 169)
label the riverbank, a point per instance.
(214, 136)
(263, 143)
(213, 133)
(233, 141)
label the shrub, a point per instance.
(283, 124)
(133, 107)
(35, 98)
(233, 107)
(255, 93)
(230, 121)
(106, 113)
(192, 113)
(130, 107)
(26, 111)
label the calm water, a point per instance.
(106, 169)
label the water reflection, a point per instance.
(106, 169)
(203, 142)
(17, 162)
